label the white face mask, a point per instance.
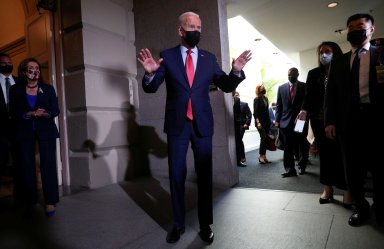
(325, 59)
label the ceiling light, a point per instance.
(332, 4)
(341, 31)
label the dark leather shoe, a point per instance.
(289, 173)
(206, 234)
(358, 218)
(174, 235)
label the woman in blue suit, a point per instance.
(33, 106)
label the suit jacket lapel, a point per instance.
(200, 65)
(347, 64)
(1, 95)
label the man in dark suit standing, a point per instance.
(243, 117)
(290, 97)
(272, 117)
(188, 72)
(6, 81)
(354, 96)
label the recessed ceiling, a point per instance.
(299, 25)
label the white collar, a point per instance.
(184, 49)
(365, 47)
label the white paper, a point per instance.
(299, 127)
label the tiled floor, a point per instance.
(138, 214)
(114, 218)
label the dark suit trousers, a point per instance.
(3, 154)
(301, 149)
(361, 156)
(202, 152)
(263, 141)
(48, 171)
(289, 147)
(7, 153)
(239, 134)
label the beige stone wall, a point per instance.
(100, 68)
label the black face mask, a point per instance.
(263, 91)
(357, 37)
(7, 69)
(192, 38)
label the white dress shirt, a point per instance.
(3, 87)
(364, 72)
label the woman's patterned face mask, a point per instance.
(33, 73)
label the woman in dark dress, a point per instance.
(331, 166)
(262, 120)
(33, 107)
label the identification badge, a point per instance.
(380, 73)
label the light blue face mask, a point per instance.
(325, 59)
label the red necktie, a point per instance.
(191, 74)
(291, 91)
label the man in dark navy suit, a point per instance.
(6, 81)
(290, 97)
(354, 97)
(188, 72)
(272, 117)
(243, 118)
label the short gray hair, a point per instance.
(189, 13)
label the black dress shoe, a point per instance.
(174, 235)
(206, 234)
(289, 173)
(358, 218)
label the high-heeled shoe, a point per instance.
(262, 160)
(347, 204)
(50, 210)
(327, 200)
(50, 213)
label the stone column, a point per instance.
(99, 60)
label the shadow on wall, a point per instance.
(142, 141)
(145, 190)
(101, 172)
